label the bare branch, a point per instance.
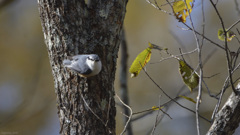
(129, 117)
(225, 86)
(200, 71)
(226, 46)
(175, 56)
(155, 5)
(172, 98)
(123, 81)
(159, 117)
(234, 24)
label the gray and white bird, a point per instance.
(86, 65)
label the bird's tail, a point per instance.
(66, 62)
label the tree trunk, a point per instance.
(71, 27)
(228, 118)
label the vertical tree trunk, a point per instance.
(71, 27)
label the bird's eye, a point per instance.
(90, 58)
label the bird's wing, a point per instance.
(85, 71)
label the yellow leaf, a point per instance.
(181, 11)
(189, 76)
(155, 108)
(188, 98)
(221, 36)
(141, 60)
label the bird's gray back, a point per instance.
(79, 64)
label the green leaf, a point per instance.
(230, 35)
(141, 60)
(188, 98)
(189, 76)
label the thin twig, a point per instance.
(226, 47)
(225, 86)
(104, 123)
(204, 62)
(219, 100)
(172, 98)
(179, 41)
(236, 57)
(175, 56)
(92, 110)
(157, 7)
(157, 117)
(165, 105)
(234, 24)
(156, 120)
(200, 71)
(123, 80)
(129, 117)
(148, 110)
(221, 47)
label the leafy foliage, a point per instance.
(140, 61)
(189, 76)
(182, 11)
(230, 35)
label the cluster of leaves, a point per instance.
(230, 35)
(189, 76)
(181, 9)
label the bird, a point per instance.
(86, 65)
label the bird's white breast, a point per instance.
(95, 66)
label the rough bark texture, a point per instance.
(72, 27)
(228, 118)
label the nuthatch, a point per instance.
(86, 65)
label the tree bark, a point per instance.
(228, 118)
(71, 27)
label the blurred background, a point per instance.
(27, 98)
